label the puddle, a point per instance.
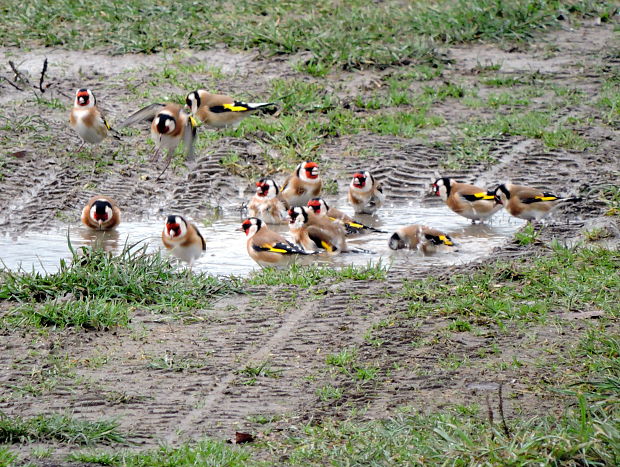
(226, 248)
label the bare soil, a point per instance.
(111, 374)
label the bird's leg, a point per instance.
(155, 155)
(80, 148)
(168, 160)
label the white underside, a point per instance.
(188, 254)
(88, 134)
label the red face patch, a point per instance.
(176, 228)
(100, 217)
(245, 226)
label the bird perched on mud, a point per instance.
(365, 193)
(266, 203)
(312, 232)
(86, 119)
(101, 213)
(267, 247)
(183, 239)
(219, 111)
(528, 203)
(320, 208)
(421, 238)
(469, 201)
(302, 185)
(169, 126)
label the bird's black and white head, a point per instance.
(165, 123)
(396, 242)
(308, 171)
(251, 225)
(176, 227)
(266, 188)
(502, 194)
(193, 101)
(85, 98)
(318, 206)
(297, 217)
(442, 186)
(362, 180)
(101, 211)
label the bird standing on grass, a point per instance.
(219, 111)
(466, 200)
(86, 119)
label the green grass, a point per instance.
(351, 34)
(94, 276)
(609, 102)
(204, 452)
(316, 274)
(58, 428)
(568, 280)
(97, 314)
(533, 124)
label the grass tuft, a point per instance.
(57, 427)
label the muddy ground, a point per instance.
(110, 374)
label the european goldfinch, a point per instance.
(421, 238)
(528, 203)
(86, 119)
(365, 193)
(302, 185)
(169, 126)
(219, 111)
(312, 232)
(183, 239)
(267, 247)
(266, 204)
(469, 201)
(320, 208)
(101, 213)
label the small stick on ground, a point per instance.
(501, 411)
(490, 415)
(18, 74)
(11, 83)
(43, 76)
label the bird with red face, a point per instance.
(86, 119)
(266, 204)
(302, 185)
(269, 248)
(182, 239)
(101, 213)
(365, 193)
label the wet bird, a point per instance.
(219, 111)
(312, 232)
(169, 126)
(320, 208)
(421, 238)
(86, 119)
(528, 203)
(365, 193)
(183, 239)
(266, 204)
(267, 247)
(302, 185)
(101, 213)
(469, 201)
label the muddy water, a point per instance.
(226, 248)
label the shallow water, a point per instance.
(226, 248)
